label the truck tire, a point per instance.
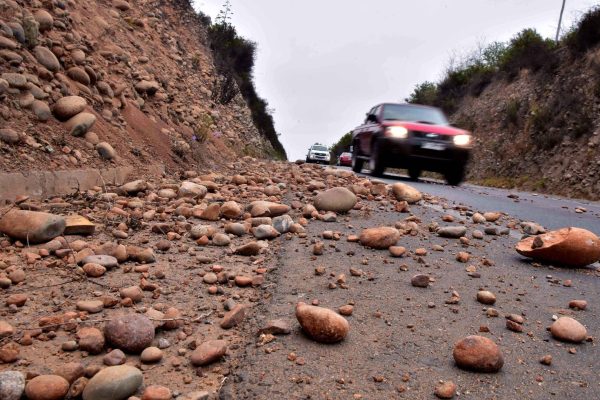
(414, 173)
(454, 176)
(377, 160)
(357, 163)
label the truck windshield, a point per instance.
(319, 148)
(406, 112)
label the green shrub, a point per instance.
(424, 93)
(234, 58)
(586, 33)
(511, 110)
(528, 50)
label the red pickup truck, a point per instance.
(418, 138)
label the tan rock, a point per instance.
(568, 246)
(404, 192)
(379, 238)
(478, 353)
(568, 329)
(322, 324)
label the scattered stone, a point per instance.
(131, 332)
(546, 360)
(80, 123)
(276, 327)
(567, 329)
(151, 355)
(233, 317)
(115, 357)
(12, 385)
(397, 251)
(492, 216)
(116, 383)
(486, 297)
(452, 232)
(574, 247)
(478, 353)
(209, 352)
(379, 238)
(9, 136)
(47, 387)
(106, 151)
(339, 200)
(90, 340)
(404, 192)
(578, 304)
(32, 226)
(322, 324)
(45, 57)
(156, 392)
(420, 280)
(69, 106)
(446, 390)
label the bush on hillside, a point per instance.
(234, 58)
(586, 33)
(341, 146)
(528, 50)
(424, 93)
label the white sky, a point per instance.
(322, 64)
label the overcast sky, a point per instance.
(322, 64)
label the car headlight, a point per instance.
(462, 140)
(399, 132)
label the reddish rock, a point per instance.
(90, 340)
(47, 387)
(156, 392)
(567, 329)
(574, 247)
(379, 238)
(322, 324)
(478, 353)
(209, 352)
(131, 332)
(233, 317)
(446, 390)
(32, 226)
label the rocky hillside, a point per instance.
(534, 107)
(539, 132)
(101, 84)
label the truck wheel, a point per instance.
(357, 163)
(454, 176)
(377, 160)
(414, 173)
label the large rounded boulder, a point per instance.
(478, 353)
(574, 247)
(322, 324)
(32, 226)
(404, 192)
(130, 332)
(381, 238)
(338, 199)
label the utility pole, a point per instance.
(562, 10)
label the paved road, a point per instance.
(401, 337)
(550, 211)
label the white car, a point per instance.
(317, 153)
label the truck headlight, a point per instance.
(398, 132)
(462, 140)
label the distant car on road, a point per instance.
(418, 138)
(345, 159)
(317, 153)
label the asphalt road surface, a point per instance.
(401, 337)
(550, 211)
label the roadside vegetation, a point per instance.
(469, 75)
(340, 146)
(235, 59)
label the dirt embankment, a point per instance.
(539, 131)
(103, 84)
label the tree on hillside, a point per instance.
(341, 146)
